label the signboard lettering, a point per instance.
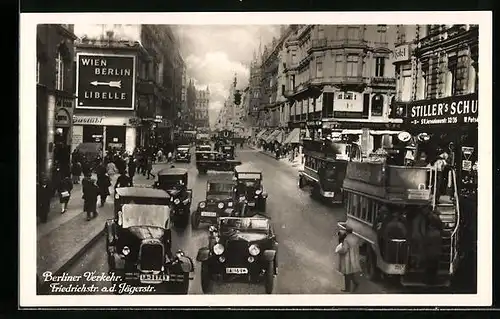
(62, 117)
(451, 110)
(87, 120)
(401, 53)
(105, 81)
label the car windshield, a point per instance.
(220, 188)
(205, 148)
(171, 181)
(144, 215)
(249, 176)
(244, 224)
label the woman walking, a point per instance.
(90, 193)
(149, 168)
(76, 171)
(65, 188)
(348, 265)
(103, 183)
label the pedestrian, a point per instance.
(149, 168)
(44, 195)
(76, 171)
(123, 181)
(348, 265)
(169, 156)
(440, 166)
(90, 193)
(65, 188)
(103, 183)
(111, 169)
(131, 167)
(159, 155)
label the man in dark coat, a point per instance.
(123, 180)
(44, 195)
(90, 193)
(103, 183)
(131, 167)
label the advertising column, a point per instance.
(105, 104)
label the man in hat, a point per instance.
(90, 193)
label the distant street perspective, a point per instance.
(331, 159)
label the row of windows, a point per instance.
(362, 208)
(60, 71)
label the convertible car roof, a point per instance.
(247, 168)
(173, 171)
(142, 192)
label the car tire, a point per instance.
(206, 278)
(301, 182)
(270, 278)
(195, 220)
(263, 205)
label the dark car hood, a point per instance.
(173, 192)
(246, 236)
(146, 232)
(218, 198)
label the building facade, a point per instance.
(201, 108)
(341, 78)
(142, 107)
(438, 90)
(191, 105)
(55, 98)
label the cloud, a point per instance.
(215, 53)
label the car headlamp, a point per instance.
(218, 249)
(254, 250)
(258, 192)
(117, 196)
(120, 218)
(242, 198)
(221, 205)
(176, 201)
(202, 205)
(230, 204)
(126, 250)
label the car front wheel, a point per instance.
(270, 277)
(206, 278)
(195, 220)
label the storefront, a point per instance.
(114, 132)
(450, 125)
(62, 132)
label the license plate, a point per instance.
(150, 278)
(251, 204)
(238, 271)
(209, 214)
(328, 194)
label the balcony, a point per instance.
(380, 45)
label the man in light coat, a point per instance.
(349, 266)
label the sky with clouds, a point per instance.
(214, 53)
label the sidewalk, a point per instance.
(296, 164)
(65, 237)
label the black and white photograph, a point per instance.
(320, 159)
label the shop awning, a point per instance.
(261, 133)
(355, 132)
(385, 132)
(293, 137)
(279, 137)
(271, 136)
(266, 134)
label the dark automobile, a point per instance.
(219, 200)
(228, 151)
(139, 244)
(183, 154)
(174, 181)
(214, 161)
(239, 248)
(249, 187)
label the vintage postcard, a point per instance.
(305, 159)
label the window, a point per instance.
(379, 66)
(339, 66)
(321, 32)
(319, 67)
(292, 82)
(352, 65)
(377, 105)
(59, 71)
(406, 88)
(402, 35)
(340, 35)
(282, 89)
(451, 78)
(353, 33)
(294, 56)
(37, 71)
(382, 33)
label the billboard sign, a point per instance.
(401, 53)
(457, 110)
(105, 81)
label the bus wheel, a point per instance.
(371, 270)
